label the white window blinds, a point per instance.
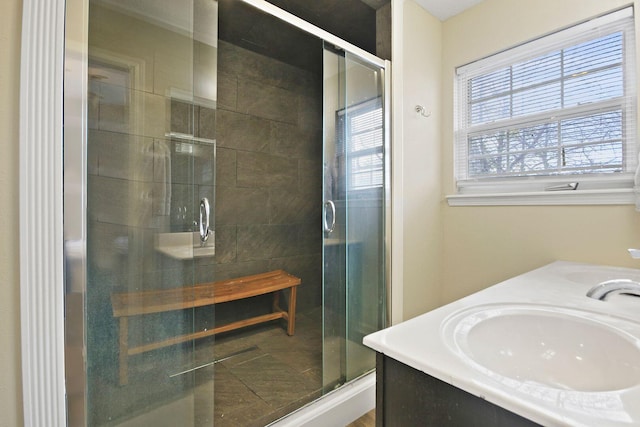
(559, 106)
(361, 142)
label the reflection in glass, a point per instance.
(144, 184)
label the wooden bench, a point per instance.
(130, 304)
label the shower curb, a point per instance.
(337, 408)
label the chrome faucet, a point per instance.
(621, 286)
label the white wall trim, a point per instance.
(625, 196)
(397, 194)
(41, 213)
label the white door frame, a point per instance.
(41, 213)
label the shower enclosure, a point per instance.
(205, 141)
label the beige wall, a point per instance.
(420, 68)
(10, 383)
(484, 245)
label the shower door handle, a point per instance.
(205, 211)
(332, 207)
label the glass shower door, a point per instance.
(150, 192)
(353, 217)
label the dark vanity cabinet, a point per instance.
(406, 397)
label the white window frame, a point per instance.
(610, 188)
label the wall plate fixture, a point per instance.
(421, 110)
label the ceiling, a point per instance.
(445, 9)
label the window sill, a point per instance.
(624, 196)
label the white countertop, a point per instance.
(423, 344)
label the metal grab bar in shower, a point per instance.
(329, 228)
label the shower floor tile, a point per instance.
(232, 395)
(267, 375)
(283, 373)
(273, 381)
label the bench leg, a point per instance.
(276, 301)
(124, 351)
(291, 312)
(291, 322)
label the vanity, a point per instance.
(532, 350)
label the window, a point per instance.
(554, 113)
(360, 137)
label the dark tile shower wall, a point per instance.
(267, 171)
(268, 175)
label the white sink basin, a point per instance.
(548, 346)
